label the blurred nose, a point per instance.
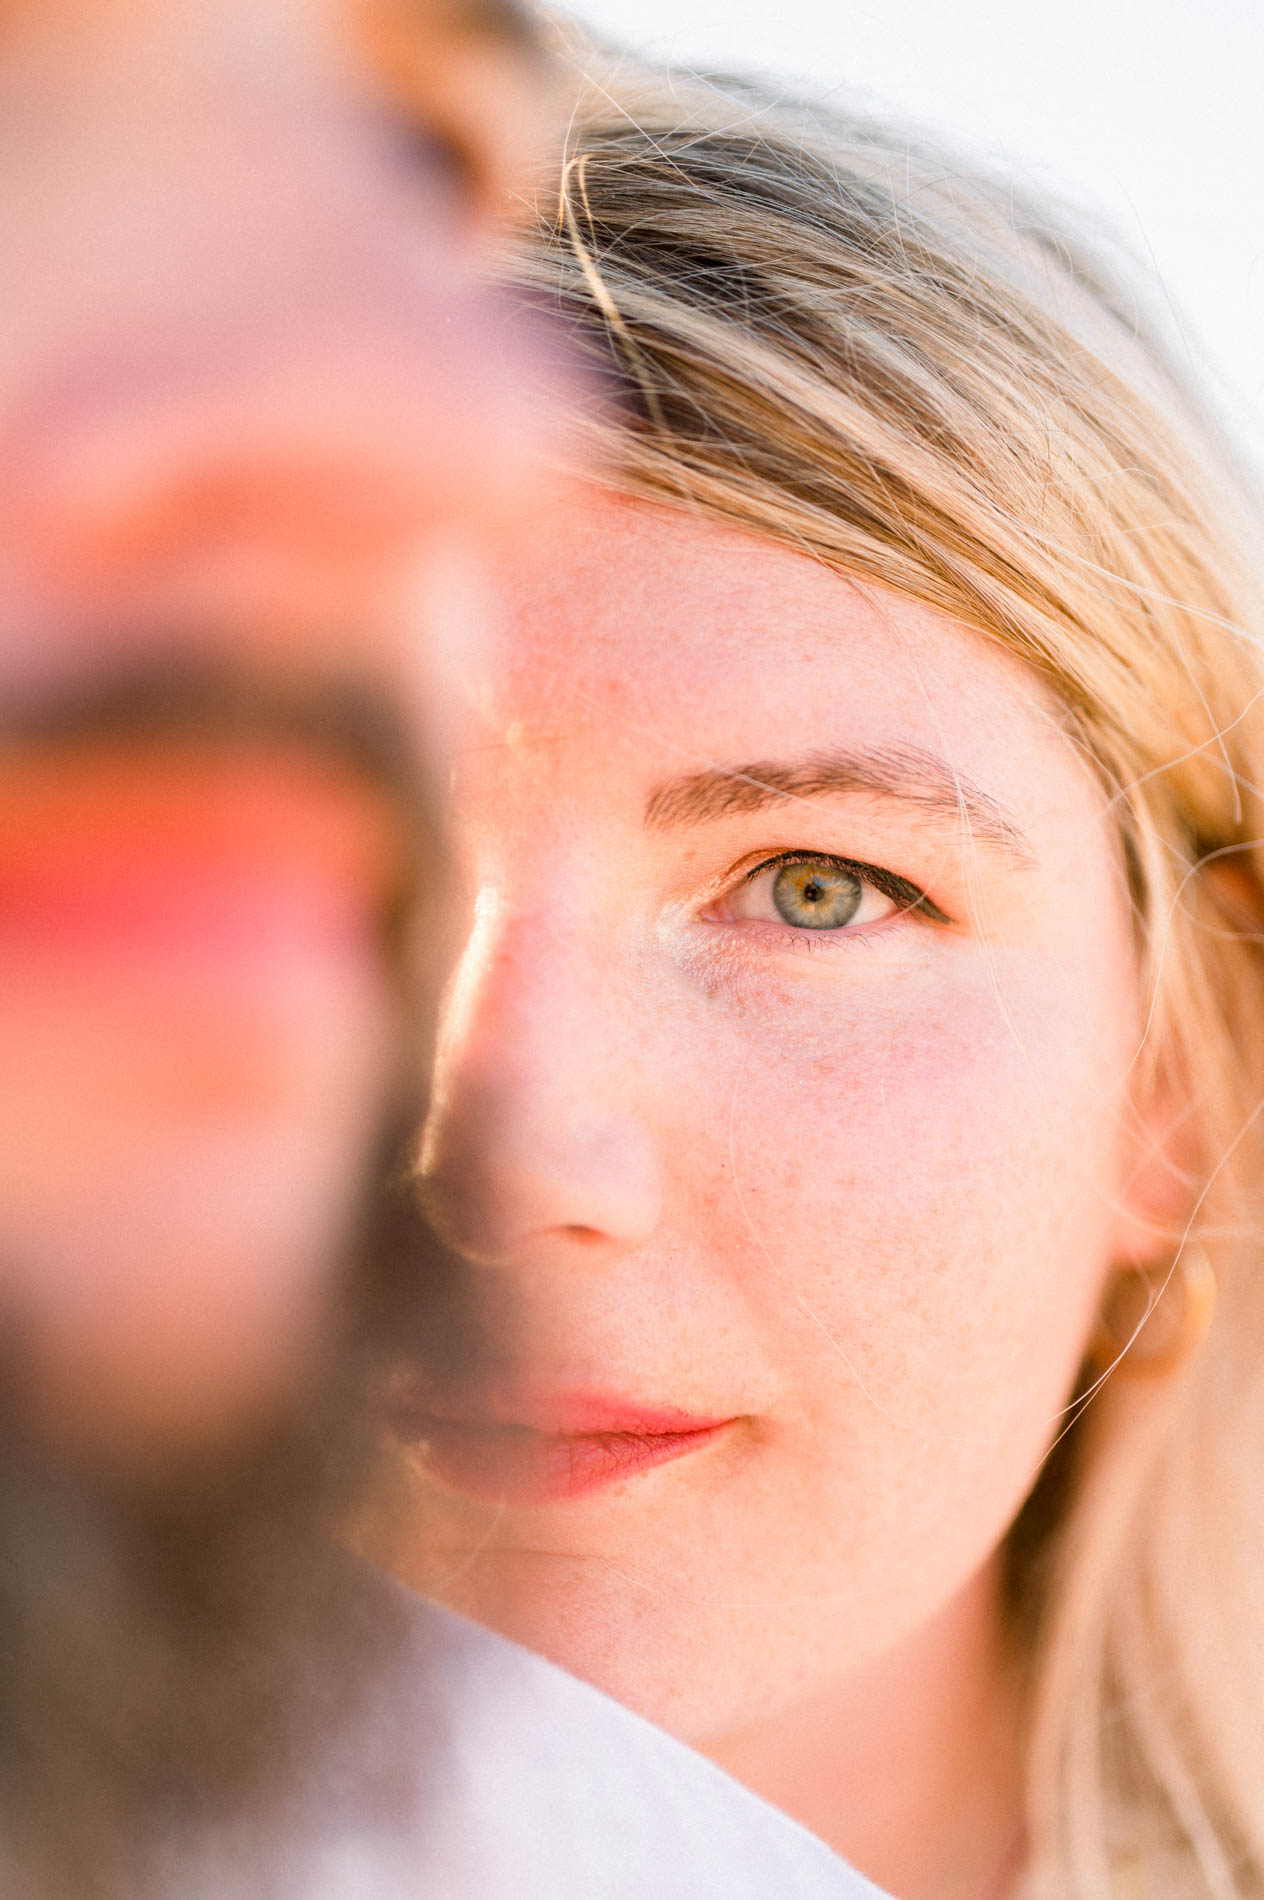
(537, 1142)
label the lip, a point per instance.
(545, 1452)
(133, 852)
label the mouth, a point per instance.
(563, 1451)
(195, 814)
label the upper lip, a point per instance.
(559, 1414)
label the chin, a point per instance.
(690, 1660)
(587, 1620)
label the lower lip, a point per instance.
(511, 1464)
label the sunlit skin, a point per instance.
(853, 1190)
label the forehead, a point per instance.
(700, 639)
(59, 52)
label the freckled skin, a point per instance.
(861, 1195)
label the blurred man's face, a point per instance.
(249, 444)
(236, 419)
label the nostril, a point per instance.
(586, 1236)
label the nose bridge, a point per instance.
(528, 1002)
(538, 1126)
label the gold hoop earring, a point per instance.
(1151, 1320)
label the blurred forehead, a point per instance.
(229, 275)
(459, 69)
(264, 21)
(60, 43)
(166, 163)
(452, 90)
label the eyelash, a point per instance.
(900, 890)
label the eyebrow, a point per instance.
(902, 773)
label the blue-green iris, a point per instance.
(815, 895)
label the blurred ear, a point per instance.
(1234, 893)
(473, 78)
(1165, 1164)
(1159, 1175)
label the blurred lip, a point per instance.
(546, 1450)
(192, 807)
(206, 857)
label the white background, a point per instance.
(1152, 110)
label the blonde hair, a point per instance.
(824, 332)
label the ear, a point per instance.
(1234, 892)
(1159, 1172)
(1163, 1170)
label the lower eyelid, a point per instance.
(777, 932)
(763, 943)
(773, 937)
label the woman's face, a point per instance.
(779, 1131)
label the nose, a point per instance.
(538, 1141)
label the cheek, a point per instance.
(923, 1202)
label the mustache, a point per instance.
(171, 695)
(196, 709)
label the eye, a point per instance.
(811, 892)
